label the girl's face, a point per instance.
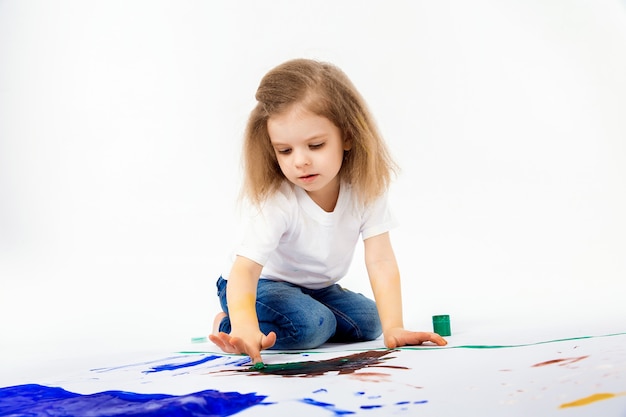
(310, 150)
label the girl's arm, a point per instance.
(384, 275)
(245, 337)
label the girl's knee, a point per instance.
(360, 327)
(372, 330)
(310, 329)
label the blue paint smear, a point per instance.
(174, 366)
(329, 407)
(409, 402)
(238, 362)
(116, 368)
(35, 400)
(369, 407)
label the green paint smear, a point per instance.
(430, 347)
(342, 365)
(508, 346)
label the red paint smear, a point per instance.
(561, 362)
(370, 376)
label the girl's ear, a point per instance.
(347, 144)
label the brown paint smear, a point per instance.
(561, 362)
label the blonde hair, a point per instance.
(324, 90)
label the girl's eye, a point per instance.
(316, 145)
(283, 151)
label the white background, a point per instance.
(121, 124)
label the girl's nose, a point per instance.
(301, 159)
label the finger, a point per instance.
(414, 339)
(268, 341)
(431, 337)
(434, 338)
(438, 340)
(391, 342)
(216, 340)
(242, 347)
(238, 344)
(224, 341)
(221, 342)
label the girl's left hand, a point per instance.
(398, 337)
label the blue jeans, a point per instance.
(305, 319)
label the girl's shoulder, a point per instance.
(284, 194)
(282, 199)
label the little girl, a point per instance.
(316, 174)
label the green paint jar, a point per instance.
(441, 325)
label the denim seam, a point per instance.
(347, 318)
(293, 331)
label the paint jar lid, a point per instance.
(441, 325)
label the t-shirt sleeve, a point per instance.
(378, 218)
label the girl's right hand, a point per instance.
(251, 345)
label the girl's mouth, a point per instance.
(308, 178)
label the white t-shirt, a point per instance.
(297, 241)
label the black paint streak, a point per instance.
(342, 365)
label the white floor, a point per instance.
(487, 369)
